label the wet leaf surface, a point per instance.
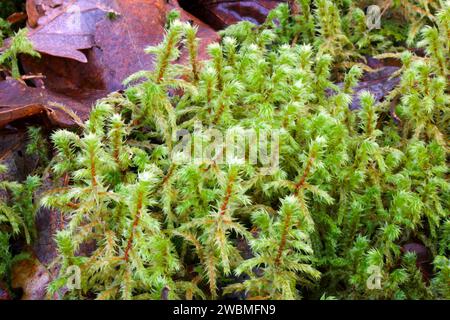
(66, 28)
(89, 46)
(379, 83)
(106, 47)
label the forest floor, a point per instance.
(75, 56)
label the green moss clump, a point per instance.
(331, 219)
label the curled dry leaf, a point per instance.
(65, 29)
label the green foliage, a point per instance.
(18, 207)
(329, 214)
(418, 14)
(7, 259)
(19, 45)
(17, 213)
(283, 253)
(351, 188)
(5, 30)
(38, 145)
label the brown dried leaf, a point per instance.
(19, 101)
(113, 48)
(222, 13)
(32, 277)
(68, 28)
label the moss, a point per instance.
(346, 192)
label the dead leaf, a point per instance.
(379, 83)
(68, 28)
(32, 277)
(109, 49)
(222, 13)
(18, 101)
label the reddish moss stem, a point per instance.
(116, 149)
(194, 62)
(135, 224)
(301, 183)
(168, 175)
(298, 187)
(226, 200)
(165, 60)
(219, 113)
(287, 221)
(93, 170)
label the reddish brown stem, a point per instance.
(61, 217)
(298, 187)
(168, 175)
(219, 113)
(165, 61)
(209, 96)
(116, 151)
(93, 170)
(219, 75)
(287, 221)
(194, 62)
(226, 200)
(135, 224)
(301, 183)
(73, 206)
